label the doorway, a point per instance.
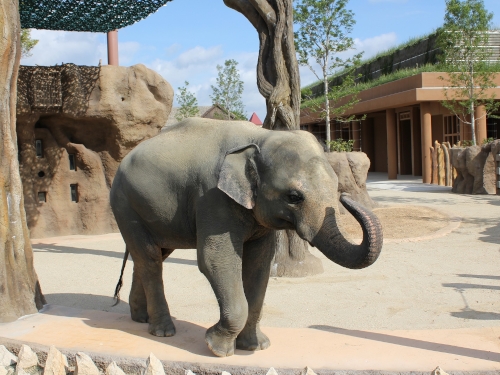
(404, 144)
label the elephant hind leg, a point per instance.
(137, 300)
(147, 297)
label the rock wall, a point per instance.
(96, 123)
(352, 170)
(475, 166)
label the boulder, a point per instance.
(85, 365)
(475, 166)
(86, 122)
(352, 170)
(56, 364)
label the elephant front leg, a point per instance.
(257, 258)
(220, 262)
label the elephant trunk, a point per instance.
(330, 241)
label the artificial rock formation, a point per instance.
(83, 120)
(352, 170)
(475, 166)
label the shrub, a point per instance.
(339, 145)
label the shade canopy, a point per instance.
(85, 15)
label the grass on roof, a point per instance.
(399, 74)
(410, 42)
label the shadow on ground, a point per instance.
(58, 249)
(87, 302)
(467, 312)
(413, 343)
(188, 337)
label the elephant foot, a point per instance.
(252, 340)
(164, 328)
(220, 343)
(140, 316)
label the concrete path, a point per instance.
(422, 304)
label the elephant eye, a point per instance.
(294, 197)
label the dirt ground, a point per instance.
(401, 222)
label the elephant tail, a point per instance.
(120, 281)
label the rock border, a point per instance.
(40, 360)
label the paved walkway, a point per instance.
(422, 304)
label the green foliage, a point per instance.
(27, 43)
(358, 87)
(324, 33)
(89, 15)
(339, 145)
(462, 40)
(188, 103)
(228, 91)
(488, 140)
(466, 143)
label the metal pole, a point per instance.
(113, 47)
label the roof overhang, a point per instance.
(423, 87)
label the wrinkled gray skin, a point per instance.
(223, 188)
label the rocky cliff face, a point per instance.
(352, 170)
(74, 126)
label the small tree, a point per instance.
(324, 31)
(466, 58)
(27, 43)
(188, 103)
(227, 93)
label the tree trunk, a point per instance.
(278, 81)
(20, 292)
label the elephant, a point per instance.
(224, 188)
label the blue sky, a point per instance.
(185, 40)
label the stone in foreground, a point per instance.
(6, 357)
(85, 365)
(154, 366)
(56, 364)
(113, 369)
(27, 360)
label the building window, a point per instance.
(451, 130)
(42, 197)
(39, 148)
(72, 162)
(74, 192)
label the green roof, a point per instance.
(85, 15)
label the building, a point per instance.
(403, 117)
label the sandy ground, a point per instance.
(447, 282)
(399, 222)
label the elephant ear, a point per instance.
(238, 176)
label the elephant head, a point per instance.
(288, 183)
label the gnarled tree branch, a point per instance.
(277, 69)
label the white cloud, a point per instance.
(56, 47)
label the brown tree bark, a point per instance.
(20, 292)
(278, 81)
